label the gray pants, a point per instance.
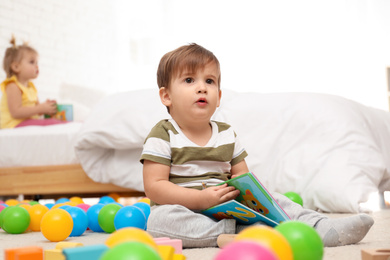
(198, 230)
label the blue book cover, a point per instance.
(253, 204)
(64, 112)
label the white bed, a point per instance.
(332, 151)
(38, 160)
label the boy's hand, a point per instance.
(215, 195)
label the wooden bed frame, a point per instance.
(54, 182)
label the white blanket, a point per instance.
(332, 151)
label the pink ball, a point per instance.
(84, 207)
(247, 250)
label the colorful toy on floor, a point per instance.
(36, 212)
(80, 221)
(269, 238)
(56, 225)
(85, 252)
(56, 253)
(12, 202)
(15, 220)
(128, 235)
(131, 250)
(106, 200)
(145, 207)
(106, 217)
(294, 197)
(130, 216)
(24, 253)
(245, 250)
(93, 213)
(304, 240)
(83, 206)
(376, 254)
(177, 244)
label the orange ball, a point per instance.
(76, 200)
(12, 202)
(269, 238)
(36, 212)
(56, 225)
(130, 234)
(115, 196)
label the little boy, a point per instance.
(184, 153)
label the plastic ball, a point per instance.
(36, 212)
(76, 200)
(115, 196)
(2, 207)
(130, 234)
(49, 205)
(64, 207)
(106, 217)
(93, 213)
(84, 207)
(269, 238)
(146, 200)
(33, 202)
(131, 251)
(130, 216)
(247, 250)
(106, 200)
(304, 240)
(56, 225)
(12, 202)
(25, 206)
(62, 200)
(145, 207)
(294, 197)
(2, 216)
(80, 221)
(15, 220)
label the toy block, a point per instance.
(54, 254)
(62, 245)
(175, 243)
(178, 257)
(84, 252)
(24, 253)
(166, 252)
(376, 254)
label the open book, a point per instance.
(253, 204)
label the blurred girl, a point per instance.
(19, 104)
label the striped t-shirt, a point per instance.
(191, 164)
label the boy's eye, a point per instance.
(189, 80)
(209, 81)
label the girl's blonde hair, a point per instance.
(14, 54)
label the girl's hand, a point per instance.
(48, 107)
(215, 195)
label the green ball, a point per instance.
(131, 251)
(2, 216)
(106, 217)
(304, 240)
(294, 197)
(16, 220)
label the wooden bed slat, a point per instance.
(57, 179)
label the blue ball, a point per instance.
(145, 207)
(106, 200)
(65, 207)
(62, 200)
(49, 205)
(130, 216)
(93, 213)
(80, 221)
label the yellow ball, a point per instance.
(12, 202)
(36, 212)
(76, 200)
(130, 234)
(146, 200)
(56, 225)
(269, 238)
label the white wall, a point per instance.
(336, 46)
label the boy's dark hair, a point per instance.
(187, 58)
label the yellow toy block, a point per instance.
(54, 254)
(178, 257)
(62, 245)
(166, 252)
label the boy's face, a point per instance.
(193, 97)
